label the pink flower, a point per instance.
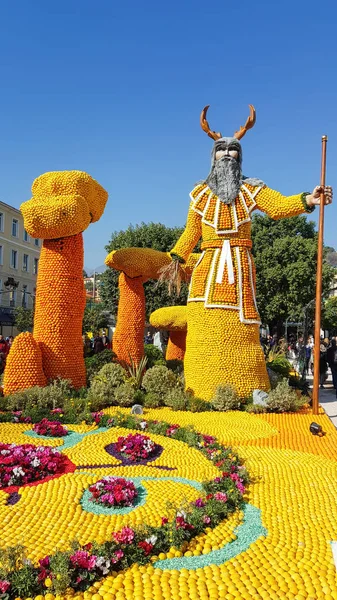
(199, 503)
(125, 536)
(220, 496)
(4, 586)
(83, 560)
(117, 556)
(206, 519)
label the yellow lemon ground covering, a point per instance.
(294, 485)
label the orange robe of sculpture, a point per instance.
(223, 342)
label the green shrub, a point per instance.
(125, 395)
(256, 409)
(177, 366)
(151, 400)
(50, 396)
(225, 398)
(159, 380)
(104, 385)
(284, 399)
(94, 363)
(176, 399)
(281, 365)
(197, 404)
(154, 356)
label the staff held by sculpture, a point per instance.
(325, 198)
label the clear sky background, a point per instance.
(115, 88)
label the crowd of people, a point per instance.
(159, 339)
(96, 344)
(300, 354)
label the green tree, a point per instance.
(151, 235)
(24, 318)
(95, 318)
(329, 315)
(285, 254)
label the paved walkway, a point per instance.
(327, 399)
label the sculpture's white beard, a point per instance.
(225, 179)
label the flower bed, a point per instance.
(135, 447)
(27, 463)
(81, 566)
(113, 491)
(50, 428)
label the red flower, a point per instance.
(146, 547)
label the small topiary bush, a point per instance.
(176, 399)
(104, 385)
(197, 404)
(225, 398)
(159, 380)
(51, 396)
(94, 363)
(125, 395)
(151, 400)
(177, 366)
(256, 409)
(154, 356)
(284, 399)
(280, 365)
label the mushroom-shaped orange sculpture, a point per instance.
(174, 320)
(137, 265)
(63, 204)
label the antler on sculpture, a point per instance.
(238, 134)
(248, 125)
(205, 126)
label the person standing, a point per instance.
(331, 356)
(323, 367)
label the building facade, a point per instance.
(19, 259)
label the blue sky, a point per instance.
(116, 89)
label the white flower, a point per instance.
(181, 514)
(103, 564)
(143, 424)
(152, 540)
(18, 471)
(35, 462)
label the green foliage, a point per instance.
(281, 365)
(104, 385)
(284, 399)
(159, 380)
(125, 395)
(94, 363)
(136, 372)
(95, 318)
(225, 398)
(151, 400)
(329, 315)
(177, 366)
(24, 318)
(49, 397)
(256, 409)
(285, 259)
(154, 356)
(151, 235)
(197, 404)
(176, 399)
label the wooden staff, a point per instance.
(317, 341)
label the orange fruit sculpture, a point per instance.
(62, 206)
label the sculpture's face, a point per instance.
(225, 177)
(227, 148)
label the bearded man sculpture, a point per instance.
(223, 341)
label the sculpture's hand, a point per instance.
(314, 199)
(138, 262)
